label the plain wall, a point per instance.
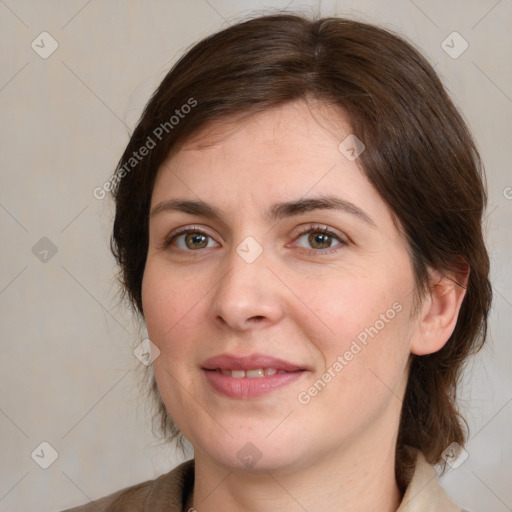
(68, 373)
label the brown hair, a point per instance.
(419, 156)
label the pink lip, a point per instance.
(232, 362)
(246, 387)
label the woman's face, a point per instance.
(284, 327)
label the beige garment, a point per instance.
(169, 492)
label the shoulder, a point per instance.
(167, 492)
(136, 494)
(424, 492)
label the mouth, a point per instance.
(250, 374)
(255, 363)
(243, 377)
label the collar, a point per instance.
(423, 494)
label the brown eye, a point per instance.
(320, 240)
(192, 240)
(196, 240)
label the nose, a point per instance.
(248, 295)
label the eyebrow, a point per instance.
(276, 212)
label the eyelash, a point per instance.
(309, 229)
(324, 231)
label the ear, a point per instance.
(440, 311)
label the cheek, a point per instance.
(360, 329)
(169, 302)
(171, 305)
(350, 307)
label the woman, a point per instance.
(298, 222)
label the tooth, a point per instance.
(255, 373)
(251, 374)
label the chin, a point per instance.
(254, 454)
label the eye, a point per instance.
(321, 239)
(191, 239)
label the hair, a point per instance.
(419, 156)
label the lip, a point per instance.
(232, 362)
(246, 387)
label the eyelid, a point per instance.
(185, 230)
(309, 228)
(312, 228)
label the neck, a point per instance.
(353, 480)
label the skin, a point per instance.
(293, 302)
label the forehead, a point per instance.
(285, 123)
(282, 153)
(297, 133)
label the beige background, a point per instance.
(68, 374)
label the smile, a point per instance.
(250, 374)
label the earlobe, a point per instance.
(440, 311)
